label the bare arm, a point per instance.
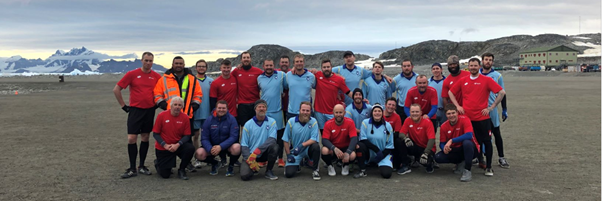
(453, 99)
(287, 148)
(117, 91)
(308, 142)
(500, 96)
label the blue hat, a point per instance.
(436, 64)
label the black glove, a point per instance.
(163, 105)
(126, 108)
(195, 106)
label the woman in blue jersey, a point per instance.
(376, 144)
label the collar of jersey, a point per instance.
(257, 121)
(354, 67)
(370, 121)
(305, 71)
(269, 76)
(437, 81)
(297, 120)
(481, 71)
(378, 81)
(360, 109)
(410, 78)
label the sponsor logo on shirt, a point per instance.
(139, 76)
(307, 78)
(223, 85)
(415, 98)
(167, 121)
(357, 72)
(179, 122)
(344, 129)
(418, 128)
(477, 83)
(411, 126)
(213, 126)
(448, 131)
(321, 78)
(466, 83)
(239, 75)
(333, 131)
(452, 82)
(267, 127)
(457, 129)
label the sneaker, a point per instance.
(345, 170)
(361, 173)
(182, 174)
(404, 170)
(503, 163)
(489, 172)
(143, 170)
(270, 175)
(281, 163)
(197, 164)
(331, 171)
(459, 168)
(129, 173)
(466, 175)
(230, 171)
(430, 169)
(263, 164)
(214, 169)
(316, 175)
(190, 168)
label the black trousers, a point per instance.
(166, 160)
(363, 155)
(270, 155)
(482, 131)
(464, 153)
(314, 154)
(402, 114)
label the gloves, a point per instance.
(290, 158)
(194, 107)
(424, 159)
(408, 142)
(163, 105)
(379, 156)
(297, 150)
(252, 162)
(126, 108)
(504, 114)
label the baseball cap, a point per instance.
(347, 53)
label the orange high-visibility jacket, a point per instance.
(167, 88)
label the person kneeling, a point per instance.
(259, 135)
(300, 139)
(339, 134)
(376, 143)
(171, 133)
(457, 142)
(418, 135)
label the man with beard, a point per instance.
(258, 143)
(393, 119)
(141, 111)
(424, 96)
(248, 91)
(339, 139)
(224, 88)
(326, 84)
(271, 85)
(219, 136)
(353, 74)
(376, 144)
(453, 66)
(488, 71)
(203, 112)
(358, 110)
(172, 134)
(436, 81)
(299, 81)
(475, 91)
(376, 87)
(419, 137)
(179, 82)
(301, 140)
(401, 85)
(457, 142)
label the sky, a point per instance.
(209, 30)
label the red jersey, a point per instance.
(394, 120)
(141, 87)
(449, 82)
(225, 89)
(171, 128)
(326, 92)
(248, 90)
(425, 100)
(420, 132)
(339, 135)
(475, 95)
(460, 128)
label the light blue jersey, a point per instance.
(438, 85)
(401, 85)
(270, 90)
(497, 77)
(299, 89)
(358, 115)
(254, 135)
(381, 136)
(296, 133)
(376, 91)
(204, 110)
(352, 77)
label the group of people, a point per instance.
(270, 118)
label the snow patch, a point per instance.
(581, 37)
(594, 51)
(72, 73)
(14, 58)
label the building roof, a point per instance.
(560, 48)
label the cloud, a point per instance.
(469, 30)
(192, 53)
(230, 52)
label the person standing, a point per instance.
(436, 81)
(401, 85)
(376, 87)
(325, 100)
(248, 90)
(203, 112)
(300, 82)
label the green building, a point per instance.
(549, 56)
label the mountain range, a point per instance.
(505, 49)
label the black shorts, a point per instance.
(165, 159)
(482, 130)
(245, 113)
(402, 114)
(140, 120)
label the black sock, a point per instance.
(132, 152)
(143, 152)
(233, 160)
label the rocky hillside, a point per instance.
(261, 52)
(505, 49)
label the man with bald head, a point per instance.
(339, 139)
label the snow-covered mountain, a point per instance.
(76, 59)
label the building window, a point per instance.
(544, 54)
(556, 53)
(539, 55)
(539, 62)
(570, 60)
(567, 54)
(573, 54)
(544, 61)
(521, 56)
(550, 61)
(556, 61)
